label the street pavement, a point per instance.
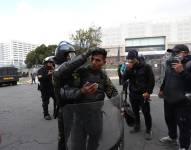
(22, 126)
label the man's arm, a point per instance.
(42, 75)
(162, 85)
(69, 93)
(110, 89)
(73, 94)
(64, 72)
(151, 79)
(127, 74)
(66, 68)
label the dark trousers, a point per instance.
(87, 131)
(178, 115)
(33, 81)
(46, 95)
(184, 124)
(170, 115)
(120, 80)
(125, 88)
(145, 107)
(65, 122)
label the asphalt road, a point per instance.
(22, 126)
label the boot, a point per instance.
(61, 146)
(135, 129)
(45, 111)
(47, 117)
(55, 111)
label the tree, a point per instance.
(37, 56)
(85, 39)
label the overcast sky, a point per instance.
(50, 21)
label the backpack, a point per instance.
(122, 69)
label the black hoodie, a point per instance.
(141, 79)
(176, 85)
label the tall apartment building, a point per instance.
(15, 52)
(5, 54)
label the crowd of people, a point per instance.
(175, 90)
(67, 80)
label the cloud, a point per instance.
(49, 25)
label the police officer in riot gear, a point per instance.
(90, 84)
(66, 63)
(44, 75)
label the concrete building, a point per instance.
(14, 52)
(176, 30)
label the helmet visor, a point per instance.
(71, 55)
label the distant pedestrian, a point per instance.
(121, 71)
(33, 78)
(119, 74)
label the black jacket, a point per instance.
(63, 75)
(176, 85)
(45, 79)
(71, 92)
(141, 80)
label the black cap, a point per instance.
(132, 54)
(178, 48)
(98, 50)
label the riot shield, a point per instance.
(94, 126)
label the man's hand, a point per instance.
(161, 94)
(178, 67)
(50, 72)
(89, 88)
(39, 76)
(129, 66)
(146, 96)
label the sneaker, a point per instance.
(168, 140)
(47, 117)
(182, 149)
(135, 130)
(55, 116)
(148, 135)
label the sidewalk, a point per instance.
(25, 80)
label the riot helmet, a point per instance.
(48, 59)
(64, 52)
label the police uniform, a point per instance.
(46, 88)
(61, 76)
(88, 119)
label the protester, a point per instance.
(176, 89)
(141, 84)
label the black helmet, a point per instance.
(61, 51)
(48, 59)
